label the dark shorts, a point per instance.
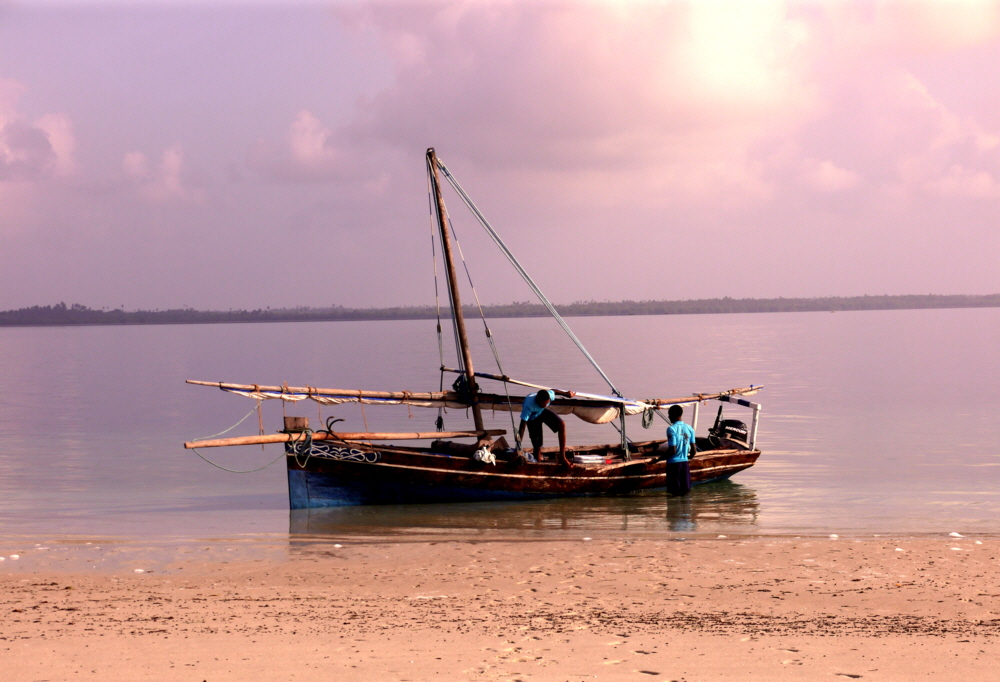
(678, 478)
(547, 417)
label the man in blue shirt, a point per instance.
(535, 412)
(680, 447)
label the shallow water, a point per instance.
(873, 422)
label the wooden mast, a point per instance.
(456, 300)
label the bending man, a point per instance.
(535, 412)
(680, 447)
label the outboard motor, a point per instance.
(732, 430)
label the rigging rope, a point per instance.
(234, 471)
(647, 417)
(439, 422)
(221, 433)
(306, 439)
(237, 471)
(524, 275)
(451, 297)
(486, 327)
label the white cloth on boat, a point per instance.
(268, 395)
(599, 414)
(595, 414)
(484, 455)
(340, 400)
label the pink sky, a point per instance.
(245, 154)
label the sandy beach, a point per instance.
(727, 608)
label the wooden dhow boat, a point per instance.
(327, 468)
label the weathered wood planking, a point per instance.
(394, 475)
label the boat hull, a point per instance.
(337, 476)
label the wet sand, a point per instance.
(698, 609)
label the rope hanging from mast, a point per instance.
(524, 275)
(451, 295)
(466, 383)
(486, 328)
(439, 422)
(220, 433)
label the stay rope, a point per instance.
(451, 298)
(486, 327)
(237, 471)
(439, 422)
(524, 274)
(220, 433)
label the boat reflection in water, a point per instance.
(710, 508)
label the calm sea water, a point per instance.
(873, 422)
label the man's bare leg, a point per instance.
(562, 445)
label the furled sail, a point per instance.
(590, 408)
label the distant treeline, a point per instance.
(77, 314)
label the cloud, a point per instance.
(670, 96)
(309, 141)
(312, 152)
(828, 177)
(33, 155)
(666, 103)
(598, 135)
(25, 153)
(931, 25)
(963, 182)
(928, 146)
(59, 130)
(163, 183)
(32, 151)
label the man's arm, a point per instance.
(565, 394)
(520, 431)
(671, 449)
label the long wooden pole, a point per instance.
(463, 340)
(496, 377)
(582, 399)
(323, 435)
(333, 392)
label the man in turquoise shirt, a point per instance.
(535, 412)
(680, 447)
